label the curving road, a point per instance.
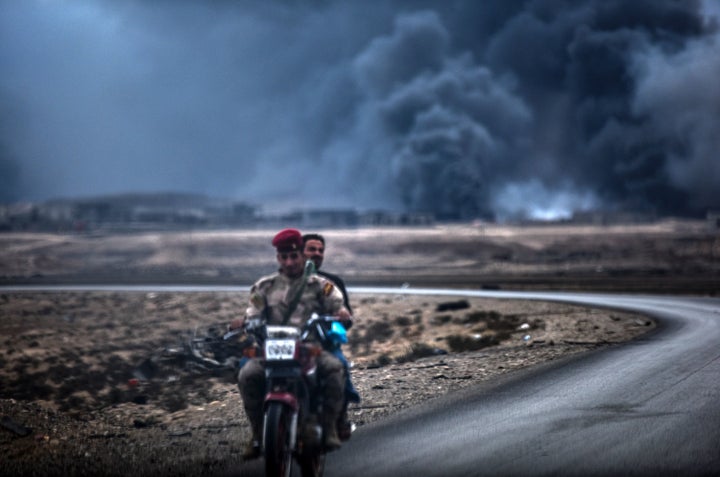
(649, 407)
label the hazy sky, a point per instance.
(459, 107)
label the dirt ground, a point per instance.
(96, 382)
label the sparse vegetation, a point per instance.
(478, 316)
(453, 305)
(404, 337)
(379, 331)
(380, 361)
(440, 320)
(419, 350)
(403, 321)
(460, 343)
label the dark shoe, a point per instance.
(330, 435)
(252, 450)
(344, 426)
(332, 441)
(344, 430)
(311, 433)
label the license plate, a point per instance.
(279, 349)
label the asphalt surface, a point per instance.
(649, 407)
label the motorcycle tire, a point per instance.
(278, 454)
(312, 465)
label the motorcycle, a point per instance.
(293, 403)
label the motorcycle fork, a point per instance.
(293, 428)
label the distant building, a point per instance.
(18, 216)
(611, 218)
(382, 218)
(335, 218)
(713, 220)
(170, 211)
(127, 212)
(322, 218)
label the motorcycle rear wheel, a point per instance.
(278, 454)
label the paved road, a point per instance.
(651, 407)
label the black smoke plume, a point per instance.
(492, 109)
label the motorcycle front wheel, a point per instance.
(312, 465)
(278, 454)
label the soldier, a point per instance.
(288, 296)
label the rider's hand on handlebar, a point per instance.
(345, 318)
(236, 323)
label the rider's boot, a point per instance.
(252, 448)
(329, 425)
(311, 432)
(344, 427)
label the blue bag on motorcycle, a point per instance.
(337, 334)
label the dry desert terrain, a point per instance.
(96, 382)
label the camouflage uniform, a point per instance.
(277, 291)
(320, 296)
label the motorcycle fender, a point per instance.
(283, 397)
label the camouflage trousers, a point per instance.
(251, 382)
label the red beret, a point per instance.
(288, 240)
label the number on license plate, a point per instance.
(279, 349)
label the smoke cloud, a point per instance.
(495, 109)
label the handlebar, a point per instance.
(232, 333)
(335, 335)
(314, 324)
(250, 324)
(326, 318)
